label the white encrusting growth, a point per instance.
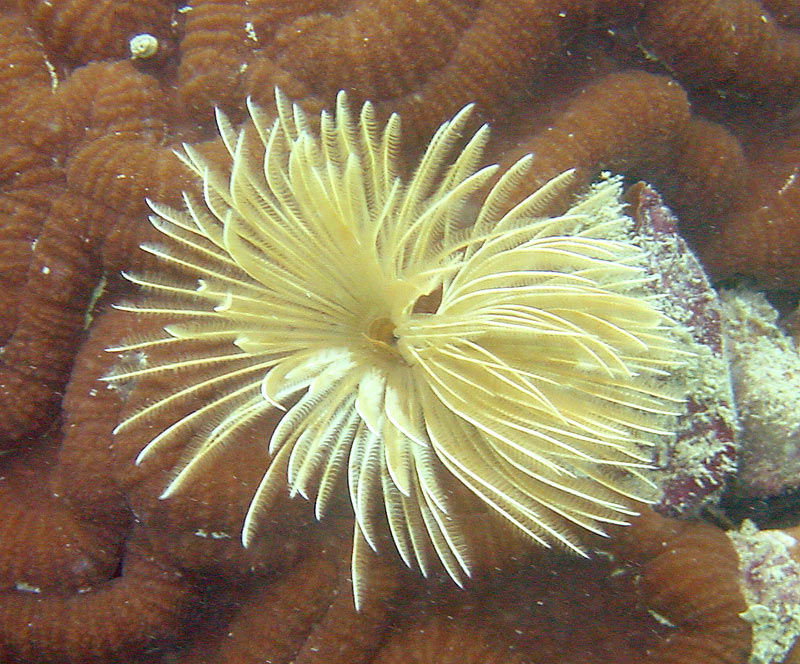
(520, 354)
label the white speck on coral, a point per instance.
(53, 75)
(26, 587)
(661, 619)
(789, 181)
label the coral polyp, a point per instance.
(412, 339)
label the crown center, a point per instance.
(381, 332)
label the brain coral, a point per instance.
(87, 135)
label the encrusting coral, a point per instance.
(769, 577)
(765, 367)
(78, 163)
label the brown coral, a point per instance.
(69, 27)
(59, 551)
(760, 237)
(428, 60)
(147, 601)
(622, 122)
(373, 38)
(735, 46)
(703, 596)
(76, 175)
(83, 144)
(558, 610)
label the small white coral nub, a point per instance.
(411, 341)
(143, 46)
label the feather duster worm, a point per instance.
(521, 354)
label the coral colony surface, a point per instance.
(318, 383)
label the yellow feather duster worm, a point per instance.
(410, 337)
